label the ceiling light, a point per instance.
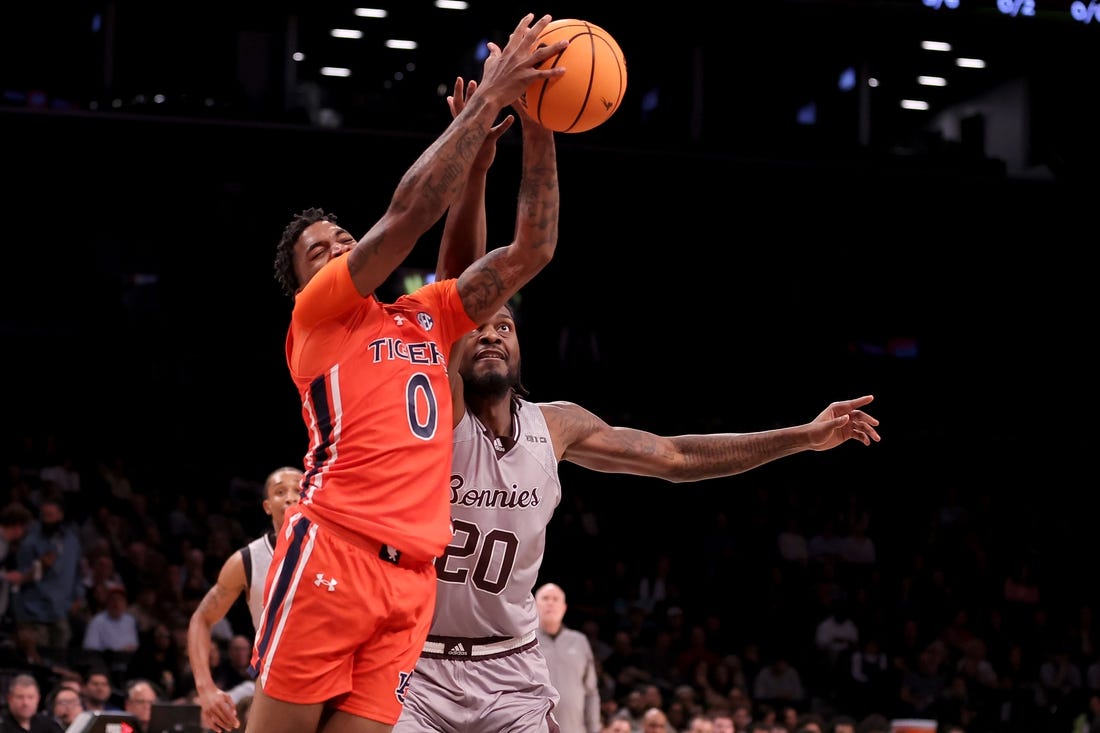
(970, 63)
(932, 81)
(335, 71)
(914, 104)
(451, 4)
(371, 12)
(346, 33)
(395, 43)
(935, 46)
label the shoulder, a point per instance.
(442, 298)
(568, 421)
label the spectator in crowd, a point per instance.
(14, 520)
(140, 696)
(64, 705)
(779, 682)
(49, 560)
(22, 714)
(571, 661)
(157, 659)
(654, 720)
(97, 692)
(114, 629)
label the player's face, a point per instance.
(282, 493)
(319, 243)
(490, 361)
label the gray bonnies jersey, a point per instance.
(500, 506)
(481, 669)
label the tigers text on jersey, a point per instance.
(377, 405)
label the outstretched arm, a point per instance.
(582, 438)
(219, 713)
(437, 176)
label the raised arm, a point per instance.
(492, 279)
(583, 438)
(437, 176)
(464, 230)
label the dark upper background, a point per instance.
(721, 265)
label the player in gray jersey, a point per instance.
(481, 669)
(243, 572)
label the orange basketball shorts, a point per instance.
(342, 622)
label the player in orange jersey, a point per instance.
(351, 590)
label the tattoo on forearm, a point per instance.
(488, 283)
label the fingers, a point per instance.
(500, 128)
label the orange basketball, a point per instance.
(591, 88)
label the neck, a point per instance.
(494, 412)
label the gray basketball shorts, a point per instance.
(470, 695)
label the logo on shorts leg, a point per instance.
(330, 583)
(402, 686)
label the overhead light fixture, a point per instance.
(451, 4)
(346, 33)
(914, 104)
(396, 43)
(335, 71)
(970, 63)
(932, 81)
(371, 12)
(935, 45)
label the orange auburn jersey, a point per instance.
(377, 406)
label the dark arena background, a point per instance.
(797, 202)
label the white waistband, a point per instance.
(459, 647)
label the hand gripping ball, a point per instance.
(591, 88)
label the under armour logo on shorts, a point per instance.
(390, 554)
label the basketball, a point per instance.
(591, 88)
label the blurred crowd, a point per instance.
(771, 609)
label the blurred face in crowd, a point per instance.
(723, 724)
(139, 702)
(550, 601)
(654, 721)
(97, 689)
(66, 706)
(23, 699)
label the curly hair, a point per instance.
(284, 252)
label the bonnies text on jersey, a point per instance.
(511, 498)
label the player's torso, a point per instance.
(500, 509)
(378, 417)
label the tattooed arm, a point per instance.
(582, 438)
(438, 175)
(218, 711)
(491, 280)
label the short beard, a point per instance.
(488, 385)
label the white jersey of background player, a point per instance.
(243, 572)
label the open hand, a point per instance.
(843, 421)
